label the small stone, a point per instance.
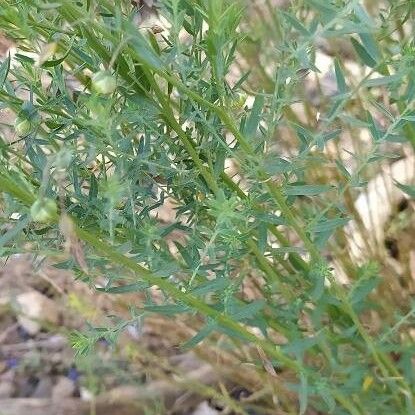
(43, 388)
(35, 308)
(4, 305)
(26, 386)
(64, 388)
(86, 395)
(3, 366)
(6, 389)
(205, 409)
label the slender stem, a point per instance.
(109, 252)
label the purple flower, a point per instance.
(73, 374)
(12, 362)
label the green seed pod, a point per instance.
(44, 210)
(22, 126)
(103, 83)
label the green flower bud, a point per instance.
(44, 210)
(103, 83)
(22, 126)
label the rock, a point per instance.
(43, 388)
(3, 366)
(204, 409)
(35, 308)
(4, 305)
(86, 395)
(26, 386)
(64, 388)
(6, 389)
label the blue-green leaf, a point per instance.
(306, 189)
(211, 286)
(383, 80)
(123, 289)
(303, 394)
(363, 54)
(4, 70)
(200, 336)
(341, 82)
(254, 118)
(409, 190)
(330, 224)
(15, 230)
(296, 23)
(168, 309)
(363, 288)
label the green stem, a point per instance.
(109, 252)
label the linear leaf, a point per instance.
(363, 288)
(168, 309)
(296, 23)
(15, 230)
(330, 224)
(383, 80)
(409, 190)
(254, 117)
(341, 82)
(211, 286)
(303, 395)
(123, 289)
(307, 189)
(247, 310)
(4, 70)
(200, 336)
(363, 54)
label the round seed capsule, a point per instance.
(44, 210)
(104, 83)
(22, 126)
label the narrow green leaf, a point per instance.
(296, 23)
(168, 309)
(370, 45)
(144, 51)
(307, 189)
(262, 236)
(56, 62)
(383, 80)
(123, 289)
(300, 345)
(200, 336)
(270, 218)
(275, 165)
(303, 395)
(323, 7)
(363, 54)
(247, 310)
(409, 190)
(374, 129)
(211, 286)
(24, 58)
(4, 70)
(254, 118)
(15, 230)
(341, 81)
(93, 187)
(330, 224)
(343, 169)
(363, 288)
